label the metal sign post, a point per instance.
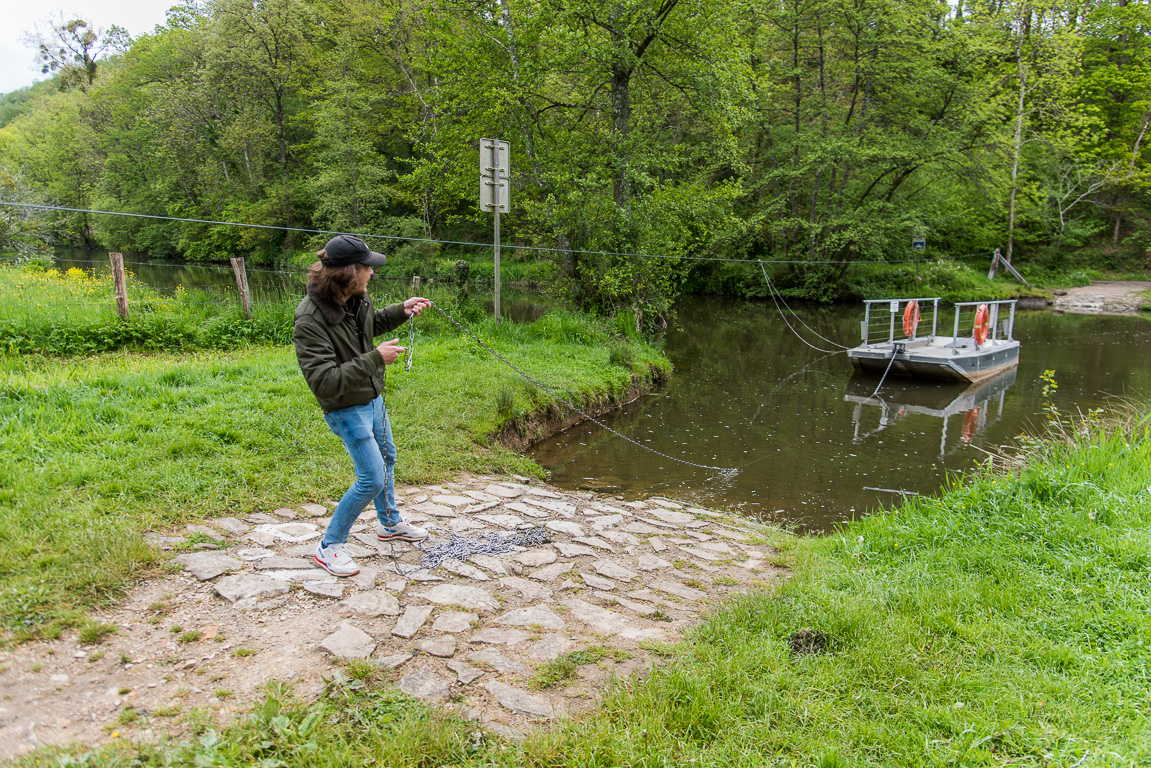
(495, 166)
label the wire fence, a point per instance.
(212, 290)
(198, 286)
(470, 244)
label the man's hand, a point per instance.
(415, 305)
(390, 350)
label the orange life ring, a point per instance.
(982, 323)
(970, 424)
(911, 319)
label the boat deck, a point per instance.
(940, 357)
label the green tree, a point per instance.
(71, 48)
(860, 107)
(256, 49)
(1113, 92)
(53, 151)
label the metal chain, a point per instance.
(462, 548)
(724, 471)
(411, 344)
(884, 377)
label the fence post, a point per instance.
(242, 286)
(416, 285)
(120, 283)
(994, 264)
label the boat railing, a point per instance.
(882, 318)
(996, 330)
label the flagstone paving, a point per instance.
(251, 606)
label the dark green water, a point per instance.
(807, 435)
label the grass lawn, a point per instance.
(99, 449)
(1006, 621)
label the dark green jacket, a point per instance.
(336, 349)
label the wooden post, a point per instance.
(121, 284)
(994, 264)
(416, 285)
(242, 286)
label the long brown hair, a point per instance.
(336, 284)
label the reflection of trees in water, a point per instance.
(265, 284)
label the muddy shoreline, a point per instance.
(549, 420)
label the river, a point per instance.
(808, 437)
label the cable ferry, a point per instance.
(989, 348)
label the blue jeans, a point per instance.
(367, 434)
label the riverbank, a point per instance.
(1002, 621)
(1105, 297)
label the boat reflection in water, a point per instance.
(976, 402)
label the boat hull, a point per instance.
(940, 358)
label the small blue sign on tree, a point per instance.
(919, 243)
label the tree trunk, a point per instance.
(289, 240)
(621, 125)
(1018, 149)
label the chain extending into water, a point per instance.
(884, 377)
(724, 472)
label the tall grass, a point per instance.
(44, 310)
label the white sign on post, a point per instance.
(495, 167)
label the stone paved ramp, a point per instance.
(613, 574)
(1105, 297)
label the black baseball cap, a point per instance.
(345, 249)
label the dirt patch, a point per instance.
(613, 580)
(1110, 297)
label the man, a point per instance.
(334, 330)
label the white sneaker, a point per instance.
(336, 560)
(401, 531)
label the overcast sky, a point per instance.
(18, 61)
